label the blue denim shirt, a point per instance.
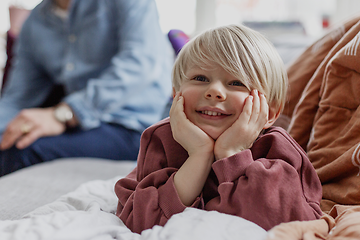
(110, 55)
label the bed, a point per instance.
(74, 198)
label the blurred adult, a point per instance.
(114, 64)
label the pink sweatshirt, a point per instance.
(271, 183)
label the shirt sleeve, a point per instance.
(28, 85)
(278, 185)
(147, 196)
(137, 82)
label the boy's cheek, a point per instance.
(190, 94)
(189, 104)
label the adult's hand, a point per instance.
(30, 125)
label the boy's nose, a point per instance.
(215, 92)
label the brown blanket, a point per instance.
(323, 105)
(324, 118)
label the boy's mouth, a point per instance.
(212, 113)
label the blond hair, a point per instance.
(242, 52)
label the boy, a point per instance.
(218, 151)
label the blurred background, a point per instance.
(290, 24)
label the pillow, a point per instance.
(303, 68)
(178, 39)
(305, 79)
(326, 120)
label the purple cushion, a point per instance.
(178, 39)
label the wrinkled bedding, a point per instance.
(29, 188)
(88, 213)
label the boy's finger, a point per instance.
(177, 109)
(264, 111)
(174, 102)
(180, 103)
(256, 106)
(264, 108)
(245, 115)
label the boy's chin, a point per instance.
(213, 133)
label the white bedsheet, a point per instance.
(88, 213)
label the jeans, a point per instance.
(109, 141)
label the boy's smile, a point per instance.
(213, 98)
(212, 113)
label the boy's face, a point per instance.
(213, 99)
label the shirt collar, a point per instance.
(59, 12)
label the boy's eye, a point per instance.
(236, 83)
(200, 78)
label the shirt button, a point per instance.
(70, 66)
(72, 38)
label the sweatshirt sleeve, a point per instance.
(147, 196)
(273, 182)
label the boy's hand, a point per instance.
(245, 129)
(187, 134)
(190, 179)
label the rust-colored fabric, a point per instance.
(336, 129)
(324, 112)
(304, 67)
(307, 106)
(326, 120)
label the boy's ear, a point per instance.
(274, 114)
